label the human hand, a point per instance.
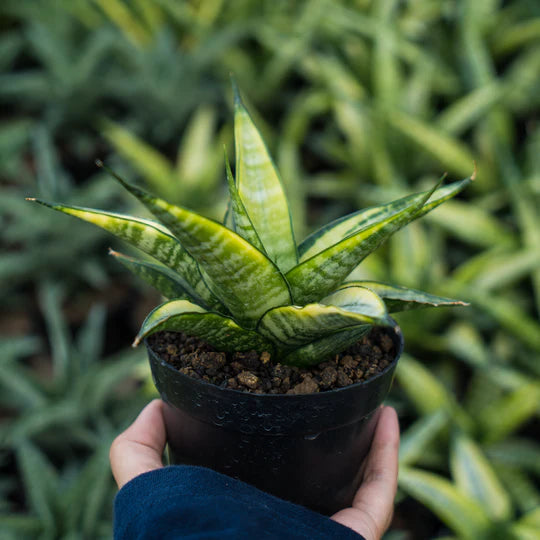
(139, 449)
(373, 504)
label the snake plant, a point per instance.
(245, 284)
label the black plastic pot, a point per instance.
(304, 448)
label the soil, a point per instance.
(256, 373)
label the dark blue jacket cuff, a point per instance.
(197, 503)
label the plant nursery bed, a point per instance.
(256, 373)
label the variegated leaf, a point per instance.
(474, 476)
(345, 226)
(401, 298)
(460, 512)
(217, 330)
(156, 169)
(165, 281)
(249, 283)
(261, 190)
(240, 218)
(318, 351)
(228, 217)
(322, 273)
(292, 326)
(148, 236)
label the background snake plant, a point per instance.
(245, 284)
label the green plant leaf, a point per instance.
(521, 486)
(198, 155)
(317, 276)
(215, 329)
(41, 483)
(249, 283)
(317, 351)
(148, 236)
(292, 326)
(401, 298)
(167, 282)
(261, 190)
(413, 376)
(414, 441)
(241, 222)
(517, 452)
(473, 224)
(509, 412)
(155, 168)
(529, 525)
(474, 476)
(457, 510)
(452, 153)
(346, 226)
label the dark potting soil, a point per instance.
(256, 373)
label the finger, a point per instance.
(373, 504)
(379, 484)
(140, 448)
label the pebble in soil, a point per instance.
(255, 372)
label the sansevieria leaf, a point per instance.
(311, 354)
(261, 190)
(217, 330)
(343, 227)
(291, 326)
(166, 281)
(239, 216)
(475, 477)
(319, 275)
(401, 298)
(239, 285)
(148, 236)
(461, 513)
(233, 264)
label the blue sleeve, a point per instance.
(197, 503)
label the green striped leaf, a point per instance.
(318, 351)
(228, 217)
(240, 219)
(418, 437)
(217, 330)
(461, 513)
(248, 282)
(155, 168)
(292, 326)
(508, 413)
(317, 276)
(148, 236)
(261, 190)
(474, 476)
(450, 151)
(345, 226)
(413, 375)
(158, 276)
(401, 298)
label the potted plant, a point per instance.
(272, 365)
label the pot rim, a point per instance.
(249, 395)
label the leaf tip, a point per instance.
(236, 91)
(136, 342)
(99, 163)
(33, 199)
(475, 172)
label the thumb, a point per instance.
(139, 448)
(372, 508)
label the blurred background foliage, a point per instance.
(360, 101)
